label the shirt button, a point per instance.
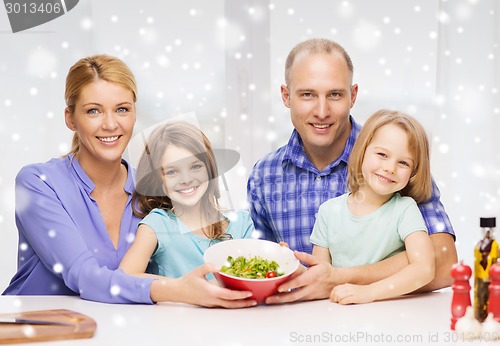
(318, 178)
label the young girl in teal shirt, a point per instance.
(388, 174)
(177, 195)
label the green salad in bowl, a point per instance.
(254, 265)
(251, 268)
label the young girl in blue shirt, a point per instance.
(177, 194)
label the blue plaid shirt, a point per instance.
(285, 191)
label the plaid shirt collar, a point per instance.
(295, 151)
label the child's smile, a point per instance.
(388, 163)
(185, 177)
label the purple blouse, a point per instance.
(64, 245)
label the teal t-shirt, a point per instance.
(179, 250)
(358, 240)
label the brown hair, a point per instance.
(420, 185)
(315, 46)
(90, 69)
(149, 192)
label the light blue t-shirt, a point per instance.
(179, 250)
(358, 240)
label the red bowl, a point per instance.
(261, 288)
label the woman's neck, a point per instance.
(102, 173)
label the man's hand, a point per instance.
(446, 255)
(314, 283)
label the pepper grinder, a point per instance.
(461, 274)
(494, 298)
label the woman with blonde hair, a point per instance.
(74, 214)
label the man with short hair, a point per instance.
(287, 186)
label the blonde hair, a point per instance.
(419, 186)
(90, 69)
(315, 46)
(149, 192)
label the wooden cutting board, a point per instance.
(80, 326)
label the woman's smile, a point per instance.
(109, 139)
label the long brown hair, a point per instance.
(149, 192)
(420, 185)
(90, 69)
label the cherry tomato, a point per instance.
(271, 274)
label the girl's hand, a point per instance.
(194, 288)
(352, 294)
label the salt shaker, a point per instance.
(461, 274)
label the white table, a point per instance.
(413, 320)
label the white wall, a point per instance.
(223, 60)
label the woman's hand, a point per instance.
(194, 288)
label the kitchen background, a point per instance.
(220, 63)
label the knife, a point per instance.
(14, 320)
